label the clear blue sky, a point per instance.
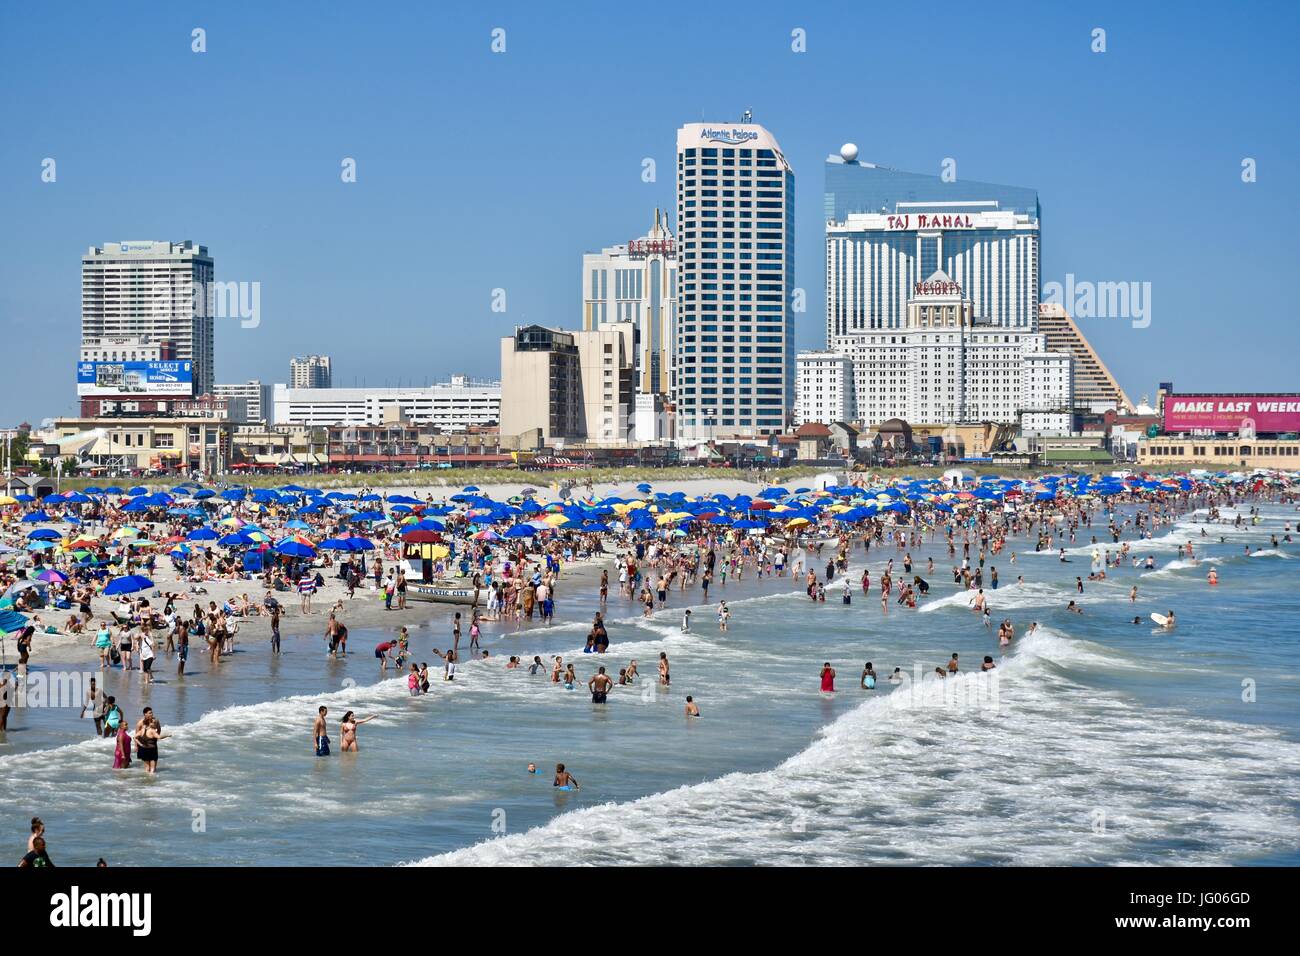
(479, 170)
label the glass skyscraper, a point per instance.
(888, 230)
(734, 342)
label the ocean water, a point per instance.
(1094, 741)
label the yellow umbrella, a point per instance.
(796, 522)
(555, 520)
(6, 500)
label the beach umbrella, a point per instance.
(521, 531)
(44, 534)
(11, 621)
(370, 516)
(335, 544)
(360, 544)
(233, 494)
(422, 537)
(295, 549)
(33, 517)
(203, 534)
(51, 576)
(203, 493)
(487, 535)
(127, 585)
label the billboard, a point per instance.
(1232, 413)
(134, 378)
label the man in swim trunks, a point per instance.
(565, 780)
(320, 740)
(692, 708)
(381, 652)
(599, 686)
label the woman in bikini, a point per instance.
(348, 730)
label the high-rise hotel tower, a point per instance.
(147, 302)
(734, 342)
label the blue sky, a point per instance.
(479, 170)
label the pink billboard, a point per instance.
(1232, 413)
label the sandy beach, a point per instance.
(363, 612)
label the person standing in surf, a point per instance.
(828, 678)
(348, 730)
(320, 739)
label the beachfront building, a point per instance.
(734, 345)
(454, 406)
(541, 384)
(572, 386)
(823, 387)
(141, 296)
(256, 395)
(636, 282)
(198, 442)
(310, 371)
(932, 291)
(1095, 388)
(945, 366)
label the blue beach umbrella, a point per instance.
(295, 549)
(127, 585)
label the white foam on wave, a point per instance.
(1055, 774)
(1178, 564)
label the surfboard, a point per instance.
(1159, 619)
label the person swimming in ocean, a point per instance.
(564, 780)
(692, 708)
(868, 681)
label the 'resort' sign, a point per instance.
(923, 220)
(936, 287)
(651, 247)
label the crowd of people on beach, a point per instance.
(515, 580)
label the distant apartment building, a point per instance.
(823, 387)
(454, 406)
(255, 394)
(146, 298)
(310, 371)
(571, 386)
